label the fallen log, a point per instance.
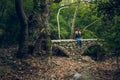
(60, 51)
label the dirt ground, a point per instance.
(59, 68)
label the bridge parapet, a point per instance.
(69, 46)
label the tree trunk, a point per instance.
(23, 36)
(73, 21)
(39, 22)
(40, 18)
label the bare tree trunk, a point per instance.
(23, 36)
(73, 21)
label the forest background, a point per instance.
(104, 14)
(97, 19)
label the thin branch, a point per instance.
(90, 24)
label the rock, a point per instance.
(86, 76)
(83, 76)
(86, 59)
(53, 77)
(77, 76)
(4, 70)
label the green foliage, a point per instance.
(84, 17)
(107, 28)
(28, 6)
(63, 21)
(65, 33)
(113, 35)
(110, 10)
(9, 23)
(54, 32)
(88, 35)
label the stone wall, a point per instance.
(70, 47)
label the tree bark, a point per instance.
(39, 21)
(40, 15)
(23, 36)
(73, 21)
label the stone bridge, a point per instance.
(70, 48)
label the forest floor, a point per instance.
(60, 68)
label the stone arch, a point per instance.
(70, 49)
(95, 51)
(88, 44)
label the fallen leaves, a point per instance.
(62, 68)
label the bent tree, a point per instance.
(38, 23)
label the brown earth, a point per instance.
(60, 68)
